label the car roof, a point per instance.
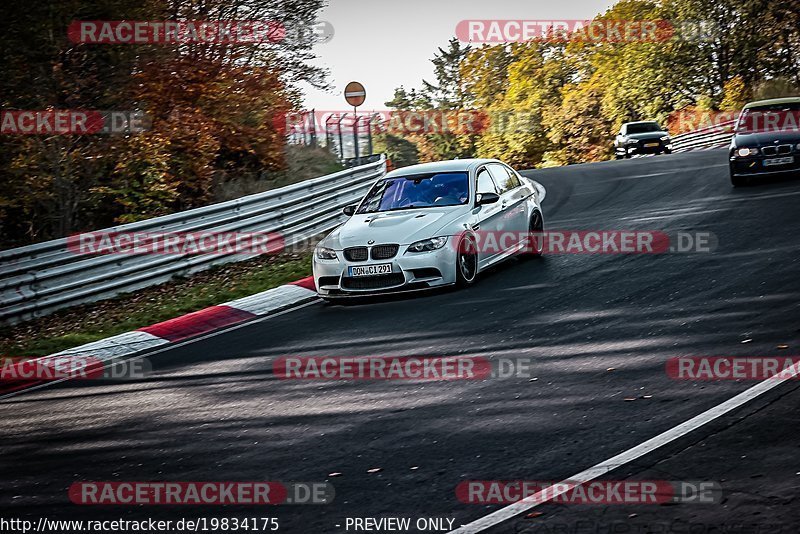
(641, 122)
(773, 101)
(452, 165)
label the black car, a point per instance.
(644, 137)
(766, 140)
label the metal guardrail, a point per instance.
(361, 160)
(717, 135)
(38, 279)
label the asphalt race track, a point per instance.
(598, 328)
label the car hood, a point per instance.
(402, 227)
(647, 136)
(759, 139)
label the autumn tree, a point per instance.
(212, 110)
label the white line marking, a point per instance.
(504, 514)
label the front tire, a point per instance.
(535, 230)
(466, 261)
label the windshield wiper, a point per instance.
(411, 207)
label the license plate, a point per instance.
(370, 270)
(650, 145)
(778, 161)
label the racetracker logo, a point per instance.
(594, 492)
(406, 122)
(177, 243)
(175, 32)
(765, 121)
(585, 242)
(712, 368)
(72, 122)
(400, 122)
(166, 32)
(400, 368)
(73, 367)
(570, 242)
(50, 368)
(691, 120)
(588, 31)
(201, 493)
(748, 121)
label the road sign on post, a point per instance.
(313, 139)
(355, 94)
(341, 143)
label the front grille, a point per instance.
(775, 150)
(373, 282)
(355, 253)
(643, 148)
(384, 252)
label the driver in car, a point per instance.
(454, 193)
(424, 193)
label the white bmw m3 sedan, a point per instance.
(430, 225)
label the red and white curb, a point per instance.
(188, 326)
(229, 313)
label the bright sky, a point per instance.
(387, 43)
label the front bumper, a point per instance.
(415, 271)
(657, 147)
(754, 165)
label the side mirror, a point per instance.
(349, 210)
(487, 198)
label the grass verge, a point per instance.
(89, 322)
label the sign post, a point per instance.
(341, 143)
(355, 94)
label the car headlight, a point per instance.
(632, 141)
(665, 138)
(325, 253)
(743, 152)
(427, 245)
(798, 146)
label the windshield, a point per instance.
(417, 191)
(771, 118)
(645, 127)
